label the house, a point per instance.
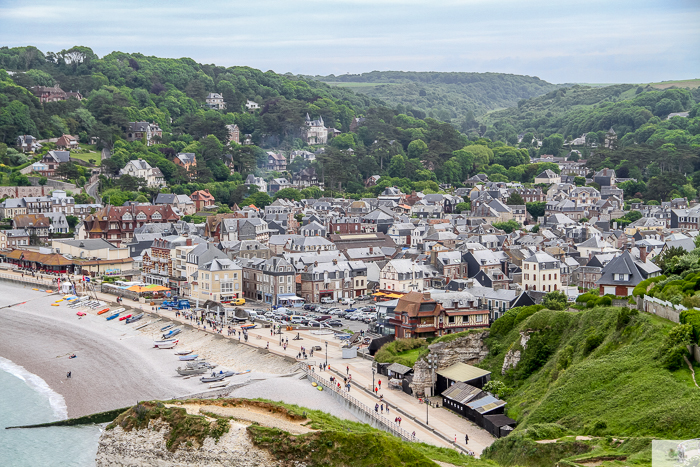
(610, 138)
(187, 160)
(57, 223)
(138, 131)
(276, 161)
(49, 94)
(252, 106)
(334, 280)
(417, 315)
(605, 177)
(182, 203)
(116, 224)
(141, 169)
(67, 143)
(50, 162)
(541, 272)
(27, 143)
(234, 134)
(219, 280)
(257, 181)
(16, 237)
(312, 229)
(277, 184)
(315, 131)
(549, 177)
(268, 279)
(95, 257)
(215, 101)
(202, 200)
(622, 274)
(401, 275)
(12, 207)
(35, 225)
(372, 180)
(345, 225)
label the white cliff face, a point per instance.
(512, 358)
(147, 448)
(469, 349)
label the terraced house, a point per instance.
(116, 224)
(267, 279)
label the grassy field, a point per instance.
(403, 351)
(86, 156)
(354, 85)
(683, 83)
(585, 372)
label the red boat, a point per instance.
(122, 318)
(80, 313)
(103, 311)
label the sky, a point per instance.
(563, 41)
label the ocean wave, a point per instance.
(57, 402)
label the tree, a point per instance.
(515, 199)
(536, 208)
(72, 221)
(289, 193)
(462, 207)
(417, 149)
(507, 226)
(43, 181)
(259, 199)
(555, 300)
(552, 144)
(579, 181)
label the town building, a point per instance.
(315, 131)
(215, 101)
(140, 131)
(219, 280)
(116, 224)
(541, 273)
(141, 169)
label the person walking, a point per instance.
(376, 408)
(375, 390)
(347, 370)
(381, 408)
(68, 375)
(466, 438)
(380, 384)
(387, 409)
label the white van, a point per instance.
(348, 301)
(327, 300)
(296, 319)
(252, 314)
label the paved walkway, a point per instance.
(437, 426)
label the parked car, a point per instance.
(314, 324)
(310, 307)
(347, 301)
(350, 310)
(327, 300)
(296, 319)
(334, 322)
(324, 318)
(238, 302)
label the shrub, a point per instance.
(593, 340)
(604, 301)
(674, 348)
(624, 317)
(692, 318)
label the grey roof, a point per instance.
(186, 157)
(399, 368)
(626, 264)
(89, 244)
(60, 156)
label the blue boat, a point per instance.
(134, 318)
(186, 358)
(113, 316)
(172, 333)
(163, 329)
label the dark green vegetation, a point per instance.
(184, 428)
(445, 96)
(403, 351)
(596, 372)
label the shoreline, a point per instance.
(37, 384)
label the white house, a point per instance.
(142, 169)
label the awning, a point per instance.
(393, 295)
(155, 288)
(379, 294)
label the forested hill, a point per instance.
(632, 111)
(446, 96)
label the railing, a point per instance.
(28, 279)
(387, 425)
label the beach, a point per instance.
(116, 365)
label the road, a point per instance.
(92, 191)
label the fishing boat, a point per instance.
(219, 385)
(165, 341)
(191, 371)
(187, 358)
(184, 352)
(125, 317)
(134, 318)
(211, 379)
(172, 333)
(163, 329)
(143, 325)
(248, 326)
(113, 316)
(103, 311)
(167, 345)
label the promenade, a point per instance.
(436, 426)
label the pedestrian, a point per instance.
(387, 409)
(413, 435)
(376, 408)
(380, 384)
(267, 346)
(396, 419)
(381, 408)
(270, 331)
(68, 375)
(375, 390)
(466, 439)
(287, 341)
(347, 370)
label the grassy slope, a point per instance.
(619, 385)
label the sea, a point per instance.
(26, 399)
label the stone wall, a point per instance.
(22, 191)
(662, 308)
(55, 185)
(469, 349)
(694, 352)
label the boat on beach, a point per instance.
(134, 318)
(187, 358)
(184, 352)
(172, 333)
(103, 311)
(191, 371)
(125, 317)
(81, 313)
(113, 316)
(219, 384)
(200, 364)
(167, 345)
(211, 379)
(248, 326)
(163, 329)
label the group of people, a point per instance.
(303, 355)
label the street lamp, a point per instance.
(373, 371)
(431, 366)
(326, 353)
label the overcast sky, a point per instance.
(592, 41)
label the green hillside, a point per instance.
(596, 372)
(446, 96)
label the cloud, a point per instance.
(592, 40)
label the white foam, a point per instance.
(57, 402)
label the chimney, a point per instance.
(426, 295)
(188, 242)
(371, 250)
(643, 254)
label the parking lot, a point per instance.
(322, 310)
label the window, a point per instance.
(550, 277)
(479, 318)
(281, 289)
(534, 267)
(216, 277)
(226, 287)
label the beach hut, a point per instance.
(487, 405)
(457, 396)
(461, 373)
(499, 425)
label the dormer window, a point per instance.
(621, 277)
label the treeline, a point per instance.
(451, 97)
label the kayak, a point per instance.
(55, 304)
(124, 317)
(103, 311)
